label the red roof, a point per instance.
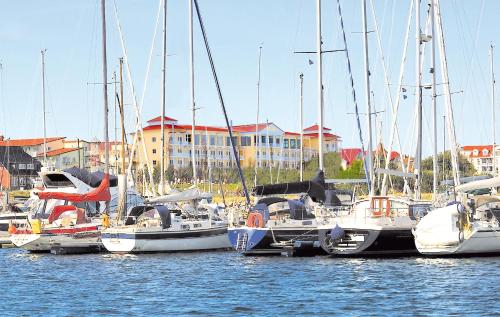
(250, 127)
(480, 149)
(158, 119)
(58, 152)
(349, 155)
(325, 134)
(27, 142)
(292, 133)
(316, 128)
(187, 127)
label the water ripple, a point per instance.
(227, 284)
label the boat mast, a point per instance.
(493, 83)
(418, 100)
(301, 76)
(105, 95)
(122, 119)
(191, 81)
(269, 156)
(42, 53)
(447, 95)
(163, 95)
(369, 155)
(257, 137)
(434, 106)
(319, 52)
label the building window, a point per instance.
(153, 139)
(212, 140)
(179, 150)
(22, 181)
(31, 166)
(271, 139)
(179, 139)
(263, 139)
(246, 141)
(228, 141)
(220, 140)
(154, 151)
(285, 143)
(197, 139)
(154, 162)
(22, 166)
(278, 141)
(298, 144)
(188, 138)
(292, 144)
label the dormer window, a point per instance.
(485, 152)
(475, 152)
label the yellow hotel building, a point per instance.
(269, 145)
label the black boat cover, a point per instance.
(135, 213)
(91, 179)
(315, 188)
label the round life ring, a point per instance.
(255, 220)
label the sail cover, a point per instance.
(315, 188)
(187, 195)
(481, 184)
(101, 193)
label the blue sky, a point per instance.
(70, 31)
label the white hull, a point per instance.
(479, 242)
(123, 241)
(47, 242)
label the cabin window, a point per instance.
(197, 225)
(185, 227)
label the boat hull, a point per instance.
(85, 240)
(275, 241)
(479, 242)
(17, 219)
(129, 241)
(369, 242)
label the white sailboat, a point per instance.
(166, 224)
(463, 228)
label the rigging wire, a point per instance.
(353, 90)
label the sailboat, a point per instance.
(472, 225)
(380, 225)
(166, 224)
(64, 223)
(469, 227)
(278, 225)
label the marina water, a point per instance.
(228, 284)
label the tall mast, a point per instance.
(418, 99)
(191, 80)
(163, 95)
(435, 171)
(122, 120)
(493, 111)
(320, 83)
(447, 94)
(269, 155)
(105, 94)
(369, 155)
(257, 137)
(115, 126)
(301, 76)
(42, 53)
